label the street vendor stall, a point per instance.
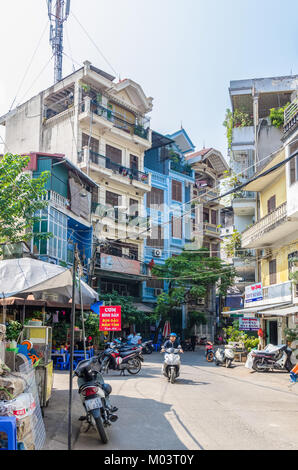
(33, 282)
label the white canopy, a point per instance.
(27, 275)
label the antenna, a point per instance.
(58, 12)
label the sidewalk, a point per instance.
(56, 414)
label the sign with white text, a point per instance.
(110, 318)
(249, 324)
(254, 293)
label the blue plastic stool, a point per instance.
(9, 426)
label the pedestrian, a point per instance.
(193, 340)
(261, 337)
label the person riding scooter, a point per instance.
(172, 343)
(171, 365)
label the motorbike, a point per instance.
(172, 363)
(271, 358)
(147, 347)
(95, 397)
(209, 352)
(224, 356)
(186, 346)
(203, 341)
(113, 358)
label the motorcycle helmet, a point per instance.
(173, 334)
(107, 389)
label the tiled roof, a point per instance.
(201, 153)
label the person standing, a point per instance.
(261, 338)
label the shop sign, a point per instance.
(249, 324)
(110, 318)
(254, 293)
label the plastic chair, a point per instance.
(8, 425)
(62, 364)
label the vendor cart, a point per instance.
(41, 339)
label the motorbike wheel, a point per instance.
(256, 366)
(135, 367)
(210, 357)
(289, 366)
(172, 376)
(216, 363)
(228, 363)
(149, 350)
(100, 429)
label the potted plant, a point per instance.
(291, 335)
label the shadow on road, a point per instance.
(143, 425)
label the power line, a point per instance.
(95, 45)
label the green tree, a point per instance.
(20, 199)
(190, 276)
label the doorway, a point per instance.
(273, 332)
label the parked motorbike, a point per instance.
(271, 358)
(186, 346)
(95, 396)
(172, 363)
(147, 347)
(209, 352)
(224, 356)
(116, 359)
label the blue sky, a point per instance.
(183, 52)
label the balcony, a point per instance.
(211, 230)
(106, 118)
(274, 294)
(88, 157)
(206, 194)
(291, 116)
(63, 205)
(272, 230)
(244, 203)
(180, 168)
(243, 137)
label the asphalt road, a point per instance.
(208, 408)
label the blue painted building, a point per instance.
(172, 186)
(70, 193)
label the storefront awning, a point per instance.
(262, 309)
(282, 312)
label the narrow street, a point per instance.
(209, 408)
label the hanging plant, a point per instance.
(277, 116)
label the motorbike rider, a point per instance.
(172, 343)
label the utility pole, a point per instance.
(72, 327)
(58, 13)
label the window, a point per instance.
(215, 252)
(133, 208)
(176, 191)
(271, 204)
(94, 143)
(58, 227)
(113, 200)
(156, 239)
(272, 272)
(134, 162)
(155, 284)
(114, 154)
(206, 215)
(177, 227)
(214, 217)
(155, 198)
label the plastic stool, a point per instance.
(9, 426)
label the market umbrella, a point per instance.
(166, 329)
(27, 275)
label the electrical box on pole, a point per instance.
(58, 11)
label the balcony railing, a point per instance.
(245, 195)
(208, 193)
(211, 229)
(140, 129)
(264, 225)
(180, 168)
(105, 162)
(105, 210)
(291, 115)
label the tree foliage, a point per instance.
(190, 276)
(20, 199)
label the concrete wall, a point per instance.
(269, 141)
(277, 189)
(22, 130)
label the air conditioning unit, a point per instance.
(158, 292)
(157, 253)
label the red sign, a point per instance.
(110, 318)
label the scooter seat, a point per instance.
(127, 353)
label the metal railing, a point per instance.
(140, 128)
(264, 225)
(291, 112)
(245, 195)
(105, 162)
